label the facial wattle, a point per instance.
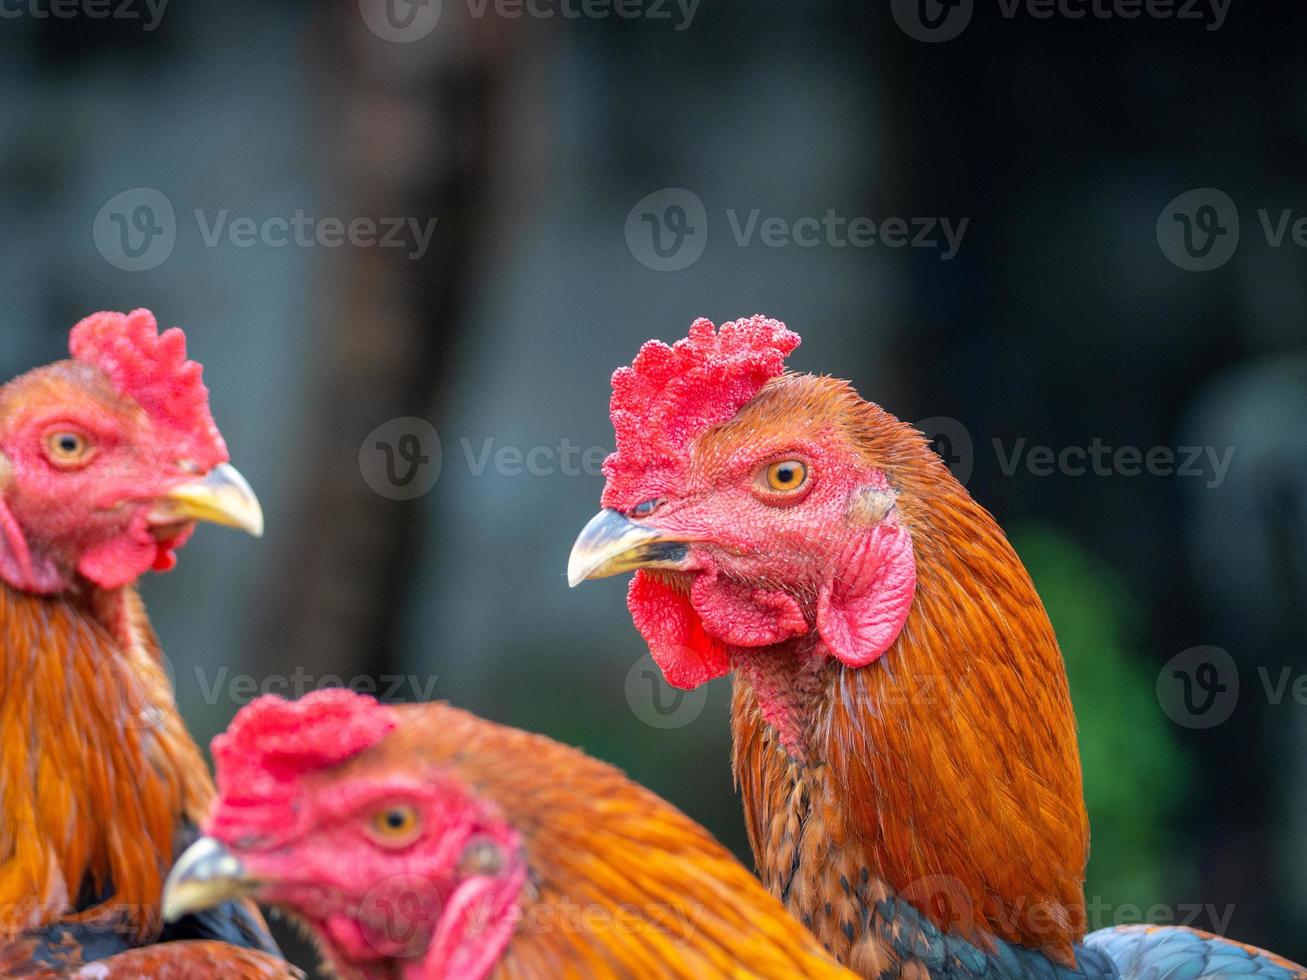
(743, 615)
(124, 557)
(689, 629)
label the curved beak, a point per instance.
(222, 496)
(611, 544)
(205, 875)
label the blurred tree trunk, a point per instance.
(404, 136)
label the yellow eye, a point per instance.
(67, 448)
(787, 475)
(395, 823)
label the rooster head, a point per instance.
(754, 505)
(323, 813)
(107, 459)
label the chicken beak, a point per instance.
(611, 544)
(221, 497)
(205, 875)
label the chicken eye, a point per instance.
(395, 824)
(67, 448)
(646, 507)
(785, 476)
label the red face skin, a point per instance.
(86, 511)
(434, 894)
(763, 565)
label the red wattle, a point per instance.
(680, 645)
(744, 616)
(165, 559)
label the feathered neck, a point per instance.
(951, 761)
(97, 768)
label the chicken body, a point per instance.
(904, 740)
(566, 867)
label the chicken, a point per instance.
(904, 741)
(421, 841)
(193, 959)
(107, 460)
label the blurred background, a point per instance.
(410, 242)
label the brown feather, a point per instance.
(97, 767)
(946, 770)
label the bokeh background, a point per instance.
(472, 357)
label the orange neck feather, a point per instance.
(620, 881)
(948, 770)
(97, 768)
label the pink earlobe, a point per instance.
(18, 566)
(864, 604)
(680, 646)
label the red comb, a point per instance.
(151, 369)
(669, 396)
(272, 740)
